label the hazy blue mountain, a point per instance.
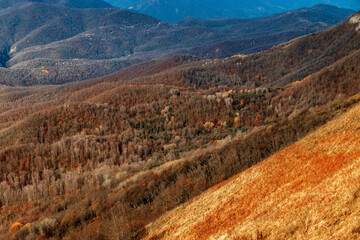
(68, 3)
(175, 10)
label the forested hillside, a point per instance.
(65, 41)
(283, 64)
(308, 190)
(102, 158)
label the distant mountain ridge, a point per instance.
(175, 10)
(44, 43)
(67, 3)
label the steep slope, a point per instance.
(308, 190)
(109, 158)
(175, 10)
(101, 158)
(65, 44)
(276, 67)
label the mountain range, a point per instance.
(254, 146)
(175, 10)
(69, 41)
(68, 3)
(117, 125)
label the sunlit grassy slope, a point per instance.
(310, 190)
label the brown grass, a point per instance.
(308, 190)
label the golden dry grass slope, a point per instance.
(310, 190)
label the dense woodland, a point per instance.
(279, 66)
(102, 158)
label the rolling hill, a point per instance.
(278, 66)
(64, 44)
(175, 10)
(106, 157)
